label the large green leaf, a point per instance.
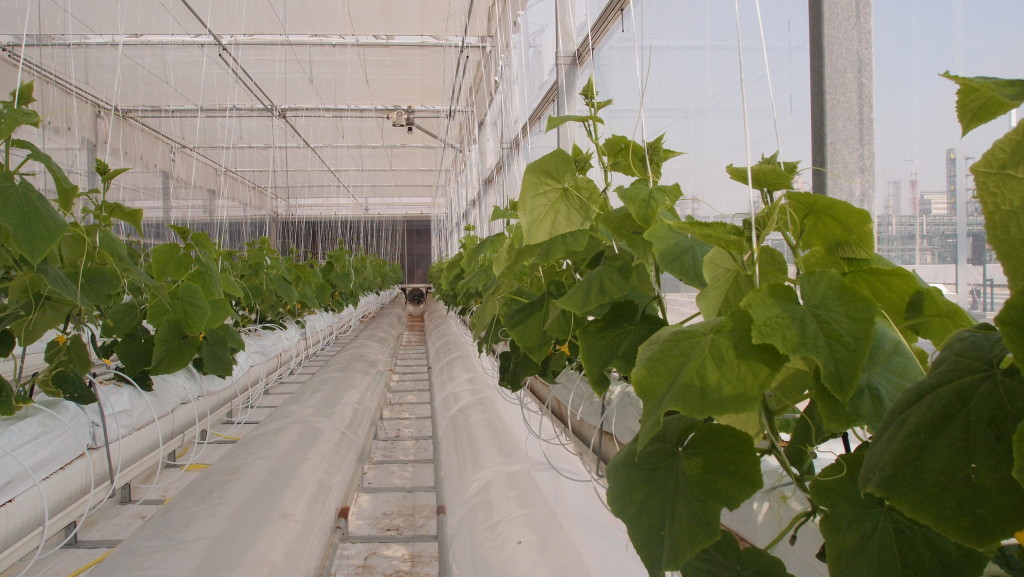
(720, 234)
(644, 201)
(944, 455)
(169, 262)
(833, 326)
(45, 315)
(1018, 454)
(554, 200)
(216, 356)
(606, 283)
(526, 324)
(772, 175)
(13, 112)
(135, 351)
(66, 191)
(726, 559)
(59, 284)
(101, 285)
(706, 369)
(671, 493)
(628, 233)
(931, 315)
(611, 342)
(70, 353)
(982, 99)
(122, 319)
(864, 535)
(890, 369)
(514, 367)
(174, 347)
(34, 224)
(729, 282)
(71, 386)
(185, 303)
(132, 216)
(1000, 179)
(834, 226)
(556, 121)
(678, 252)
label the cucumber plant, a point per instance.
(64, 272)
(804, 334)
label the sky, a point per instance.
(681, 57)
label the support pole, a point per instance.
(842, 110)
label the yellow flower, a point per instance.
(1020, 536)
(61, 339)
(107, 362)
(564, 347)
(202, 336)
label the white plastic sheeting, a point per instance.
(511, 507)
(54, 454)
(51, 431)
(622, 408)
(268, 507)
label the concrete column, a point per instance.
(842, 111)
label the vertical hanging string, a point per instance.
(768, 77)
(746, 147)
(641, 84)
(117, 79)
(21, 59)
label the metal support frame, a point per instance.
(303, 40)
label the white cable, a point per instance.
(746, 148)
(46, 509)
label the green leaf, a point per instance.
(216, 356)
(220, 311)
(625, 231)
(122, 319)
(6, 343)
(943, 455)
(185, 303)
(66, 191)
(729, 282)
(45, 315)
(981, 99)
(611, 342)
(109, 177)
(705, 369)
(174, 347)
(35, 225)
(72, 354)
(678, 252)
(503, 213)
(169, 262)
(13, 113)
(834, 226)
(1000, 179)
(514, 367)
(671, 493)
(833, 326)
(7, 405)
(525, 323)
(556, 121)
(931, 315)
(132, 216)
(60, 284)
(626, 156)
(864, 535)
(721, 234)
(726, 559)
(229, 285)
(72, 387)
(606, 283)
(765, 175)
(101, 285)
(890, 369)
(554, 199)
(135, 351)
(644, 201)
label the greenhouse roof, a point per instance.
(344, 108)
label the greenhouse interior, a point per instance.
(511, 288)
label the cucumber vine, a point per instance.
(804, 334)
(64, 272)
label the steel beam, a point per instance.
(315, 40)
